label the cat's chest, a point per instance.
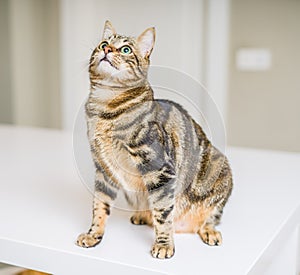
(110, 151)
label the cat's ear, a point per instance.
(108, 30)
(146, 42)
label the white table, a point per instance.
(44, 206)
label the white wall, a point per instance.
(216, 54)
(264, 105)
(6, 114)
(33, 33)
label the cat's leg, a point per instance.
(212, 213)
(210, 218)
(105, 193)
(101, 210)
(163, 246)
(161, 189)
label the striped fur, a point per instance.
(150, 149)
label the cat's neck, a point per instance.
(103, 95)
(106, 94)
(108, 100)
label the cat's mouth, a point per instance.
(105, 59)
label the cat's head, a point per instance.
(121, 61)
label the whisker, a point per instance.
(84, 68)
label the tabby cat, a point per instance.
(153, 150)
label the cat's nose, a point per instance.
(107, 49)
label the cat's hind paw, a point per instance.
(138, 220)
(211, 236)
(162, 251)
(141, 218)
(88, 240)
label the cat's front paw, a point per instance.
(88, 240)
(163, 251)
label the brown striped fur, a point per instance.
(152, 150)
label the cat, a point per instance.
(153, 150)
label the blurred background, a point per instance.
(246, 52)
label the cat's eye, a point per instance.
(126, 50)
(103, 45)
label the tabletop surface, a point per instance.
(44, 206)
